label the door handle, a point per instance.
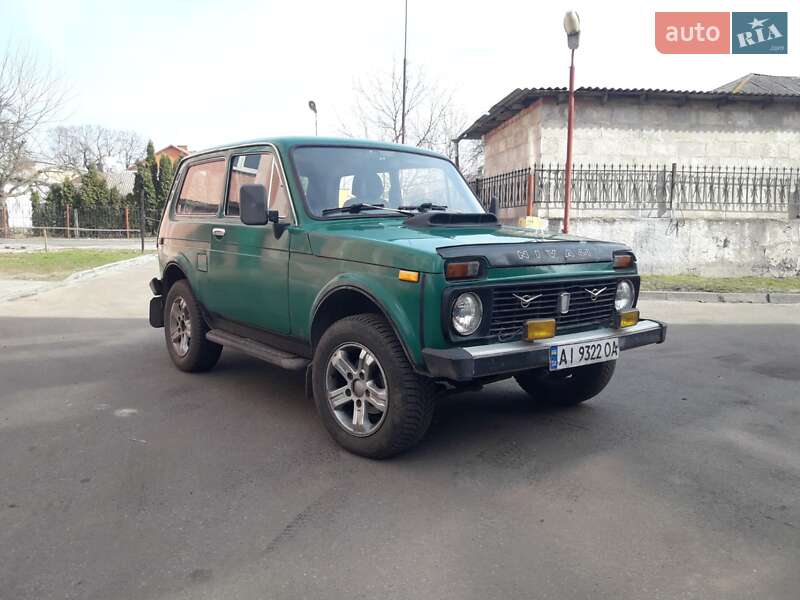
(218, 232)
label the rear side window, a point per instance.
(202, 189)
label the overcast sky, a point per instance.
(202, 72)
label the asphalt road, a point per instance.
(121, 477)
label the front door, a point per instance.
(248, 271)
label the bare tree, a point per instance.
(130, 147)
(433, 120)
(30, 97)
(430, 112)
(80, 147)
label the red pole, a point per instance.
(67, 221)
(127, 224)
(570, 117)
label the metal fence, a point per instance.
(67, 221)
(651, 189)
(509, 189)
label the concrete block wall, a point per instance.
(708, 247)
(514, 144)
(698, 133)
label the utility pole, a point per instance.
(141, 217)
(405, 49)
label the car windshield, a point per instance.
(339, 180)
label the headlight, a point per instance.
(625, 295)
(467, 313)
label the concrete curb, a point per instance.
(114, 266)
(727, 297)
(77, 277)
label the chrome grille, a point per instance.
(508, 315)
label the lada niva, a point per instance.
(375, 269)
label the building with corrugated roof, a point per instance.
(753, 121)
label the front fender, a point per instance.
(398, 300)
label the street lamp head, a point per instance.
(572, 22)
(572, 25)
(313, 106)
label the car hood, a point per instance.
(392, 243)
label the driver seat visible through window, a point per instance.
(367, 188)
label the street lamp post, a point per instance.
(313, 106)
(572, 25)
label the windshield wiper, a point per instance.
(425, 206)
(359, 206)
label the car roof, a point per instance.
(288, 142)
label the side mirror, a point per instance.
(253, 204)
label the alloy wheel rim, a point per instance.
(180, 326)
(356, 389)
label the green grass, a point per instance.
(55, 265)
(694, 283)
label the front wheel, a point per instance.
(369, 397)
(567, 387)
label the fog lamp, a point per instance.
(540, 329)
(628, 318)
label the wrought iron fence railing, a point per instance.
(650, 189)
(510, 189)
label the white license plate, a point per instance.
(576, 355)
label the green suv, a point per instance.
(374, 268)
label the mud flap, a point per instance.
(157, 311)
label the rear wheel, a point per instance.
(369, 398)
(185, 331)
(567, 387)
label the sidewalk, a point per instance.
(37, 243)
(117, 292)
(21, 288)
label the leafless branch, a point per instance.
(31, 95)
(79, 147)
(432, 119)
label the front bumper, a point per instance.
(475, 362)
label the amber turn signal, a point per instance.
(628, 318)
(623, 261)
(412, 276)
(540, 329)
(462, 270)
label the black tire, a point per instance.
(411, 397)
(567, 387)
(202, 354)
